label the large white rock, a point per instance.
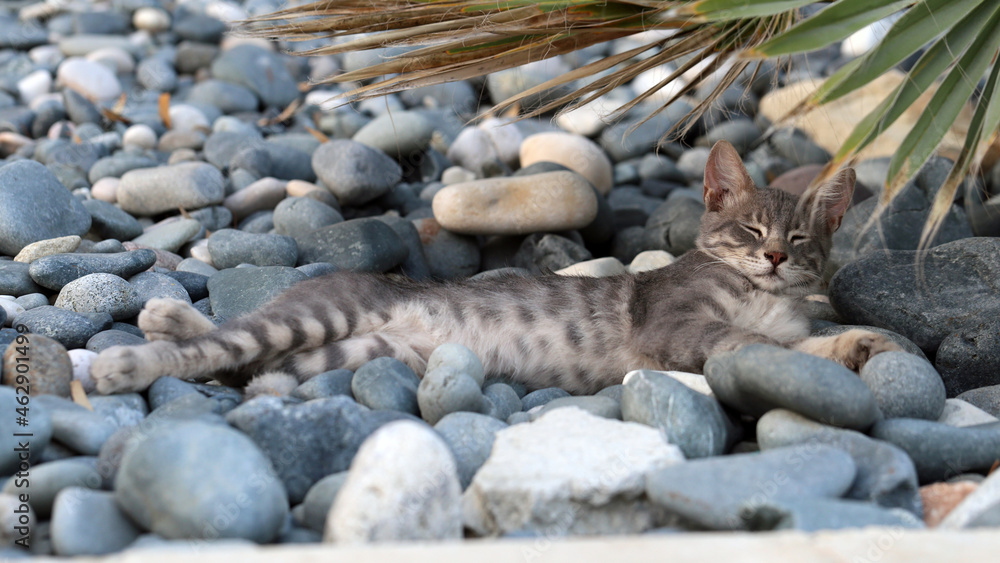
(402, 485)
(517, 205)
(93, 81)
(960, 413)
(569, 472)
(577, 153)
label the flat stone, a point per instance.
(325, 385)
(163, 487)
(16, 280)
(694, 422)
(48, 247)
(361, 245)
(87, 522)
(323, 435)
(403, 134)
(391, 502)
(923, 308)
(46, 480)
(575, 152)
(940, 451)
(810, 515)
(238, 291)
(960, 413)
(758, 378)
(169, 236)
(109, 221)
(713, 492)
(260, 70)
(354, 172)
(551, 476)
(188, 185)
(100, 293)
(261, 195)
(886, 476)
(70, 329)
(54, 272)
(596, 268)
(39, 425)
(230, 247)
(35, 206)
(556, 201)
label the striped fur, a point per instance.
(578, 333)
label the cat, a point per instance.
(759, 252)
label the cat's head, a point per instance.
(779, 241)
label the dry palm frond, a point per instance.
(447, 40)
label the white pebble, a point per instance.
(116, 57)
(93, 81)
(652, 77)
(650, 260)
(34, 85)
(187, 118)
(457, 175)
(506, 137)
(139, 136)
(153, 20)
(48, 55)
(596, 268)
(82, 358)
(864, 39)
(105, 189)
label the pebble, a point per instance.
(904, 386)
(714, 492)
(694, 422)
(325, 385)
(226, 96)
(188, 185)
(552, 476)
(105, 189)
(153, 20)
(503, 400)
(261, 195)
(239, 291)
(262, 71)
(35, 206)
(56, 271)
(110, 222)
(354, 172)
(604, 407)
(650, 260)
(470, 437)
(814, 514)
(165, 461)
(39, 424)
(968, 358)
(360, 245)
(555, 201)
(403, 134)
(386, 384)
(446, 389)
(758, 378)
(448, 255)
(15, 279)
(542, 397)
(880, 289)
(36, 250)
(596, 268)
(673, 226)
(458, 357)
(88, 522)
(100, 293)
(473, 150)
(960, 413)
(153, 285)
(575, 152)
(169, 236)
(308, 441)
(297, 216)
(93, 81)
(941, 498)
(981, 509)
(389, 502)
(81, 360)
(986, 398)
(230, 248)
(886, 476)
(82, 430)
(940, 451)
(11, 523)
(46, 480)
(50, 367)
(70, 329)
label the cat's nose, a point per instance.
(776, 257)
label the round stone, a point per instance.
(361, 245)
(402, 133)
(904, 385)
(166, 487)
(470, 437)
(88, 522)
(354, 172)
(92, 80)
(261, 195)
(168, 236)
(458, 357)
(153, 20)
(189, 185)
(36, 250)
(35, 206)
(100, 293)
(575, 152)
(386, 384)
(554, 201)
(230, 247)
(445, 390)
(297, 216)
(49, 367)
(139, 136)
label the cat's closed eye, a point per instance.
(757, 233)
(797, 238)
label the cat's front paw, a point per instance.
(118, 370)
(172, 320)
(857, 346)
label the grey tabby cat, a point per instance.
(759, 252)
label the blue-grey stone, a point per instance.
(153, 285)
(80, 109)
(317, 269)
(16, 280)
(325, 385)
(386, 384)
(238, 291)
(213, 218)
(886, 475)
(166, 389)
(673, 226)
(614, 391)
(88, 522)
(108, 221)
(262, 71)
(503, 400)
(449, 255)
(604, 407)
(415, 265)
(257, 223)
(166, 487)
(57, 270)
(308, 441)
(812, 514)
(230, 248)
(39, 425)
(125, 409)
(47, 479)
(470, 437)
(361, 245)
(968, 358)
(156, 74)
(884, 289)
(297, 216)
(76, 427)
(904, 386)
(758, 378)
(185, 185)
(170, 236)
(193, 283)
(630, 138)
(712, 492)
(198, 27)
(254, 160)
(403, 134)
(541, 397)
(127, 328)
(354, 172)
(797, 147)
(70, 329)
(446, 389)
(320, 498)
(117, 165)
(100, 293)
(692, 421)
(21, 35)
(940, 451)
(34, 206)
(228, 97)
(986, 398)
(108, 338)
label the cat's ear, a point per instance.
(828, 201)
(725, 176)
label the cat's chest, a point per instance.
(778, 317)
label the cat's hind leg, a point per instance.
(352, 353)
(852, 348)
(173, 320)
